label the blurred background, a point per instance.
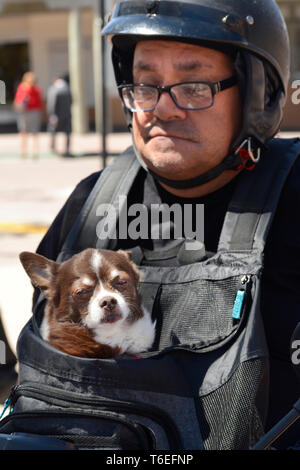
(61, 38)
(55, 37)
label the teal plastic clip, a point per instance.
(238, 305)
(5, 406)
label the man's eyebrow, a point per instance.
(192, 65)
(180, 66)
(144, 67)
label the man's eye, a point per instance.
(194, 91)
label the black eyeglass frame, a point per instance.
(216, 87)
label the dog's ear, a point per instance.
(41, 270)
(127, 253)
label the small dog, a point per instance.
(93, 307)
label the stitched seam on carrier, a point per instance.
(76, 378)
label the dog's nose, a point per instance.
(108, 303)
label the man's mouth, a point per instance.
(169, 133)
(167, 136)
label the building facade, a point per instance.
(55, 37)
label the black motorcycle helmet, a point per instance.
(253, 32)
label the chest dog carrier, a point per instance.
(205, 383)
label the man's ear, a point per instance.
(41, 270)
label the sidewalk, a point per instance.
(82, 144)
(31, 194)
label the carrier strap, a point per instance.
(115, 180)
(253, 205)
(247, 221)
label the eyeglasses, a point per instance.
(186, 95)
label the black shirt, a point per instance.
(280, 301)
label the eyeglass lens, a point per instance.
(185, 95)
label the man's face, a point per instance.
(173, 142)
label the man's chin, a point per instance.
(173, 160)
(168, 165)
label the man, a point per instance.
(203, 85)
(59, 103)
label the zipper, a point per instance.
(241, 297)
(140, 431)
(58, 397)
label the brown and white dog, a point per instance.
(93, 307)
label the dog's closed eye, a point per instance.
(119, 283)
(82, 293)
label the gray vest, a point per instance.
(205, 383)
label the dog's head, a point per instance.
(94, 287)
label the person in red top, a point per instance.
(28, 104)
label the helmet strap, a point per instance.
(246, 153)
(233, 161)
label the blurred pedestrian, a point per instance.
(59, 102)
(29, 106)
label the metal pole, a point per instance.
(76, 71)
(97, 61)
(103, 84)
(274, 433)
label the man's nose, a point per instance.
(167, 110)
